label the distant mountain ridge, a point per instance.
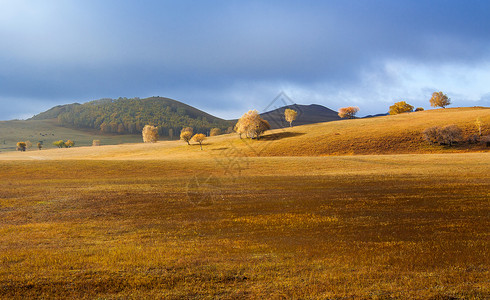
(307, 114)
(129, 116)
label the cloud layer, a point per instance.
(229, 56)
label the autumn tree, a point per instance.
(252, 125)
(21, 146)
(40, 145)
(400, 107)
(215, 132)
(348, 112)
(150, 134)
(439, 99)
(28, 145)
(186, 134)
(199, 137)
(419, 109)
(479, 124)
(96, 143)
(69, 144)
(59, 144)
(290, 116)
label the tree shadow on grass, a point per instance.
(281, 135)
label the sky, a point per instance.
(226, 57)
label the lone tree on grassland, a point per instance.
(21, 146)
(439, 100)
(199, 137)
(186, 134)
(290, 115)
(69, 144)
(150, 134)
(400, 107)
(348, 112)
(252, 125)
(478, 124)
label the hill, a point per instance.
(307, 114)
(48, 131)
(382, 135)
(129, 116)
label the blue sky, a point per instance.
(226, 57)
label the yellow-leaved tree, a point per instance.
(400, 107)
(21, 146)
(252, 125)
(69, 144)
(186, 134)
(348, 112)
(150, 134)
(290, 115)
(478, 124)
(199, 137)
(439, 99)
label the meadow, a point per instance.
(283, 217)
(373, 227)
(49, 131)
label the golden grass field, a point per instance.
(246, 219)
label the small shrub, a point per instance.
(473, 139)
(95, 143)
(447, 135)
(215, 132)
(419, 109)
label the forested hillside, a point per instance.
(129, 116)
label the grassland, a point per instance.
(242, 220)
(399, 134)
(49, 131)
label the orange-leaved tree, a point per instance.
(21, 146)
(348, 112)
(69, 144)
(252, 125)
(199, 137)
(290, 115)
(400, 107)
(186, 134)
(150, 134)
(439, 99)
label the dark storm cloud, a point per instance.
(228, 55)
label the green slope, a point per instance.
(129, 116)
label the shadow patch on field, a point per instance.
(281, 135)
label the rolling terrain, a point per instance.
(280, 217)
(398, 134)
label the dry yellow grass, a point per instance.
(394, 226)
(238, 220)
(398, 134)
